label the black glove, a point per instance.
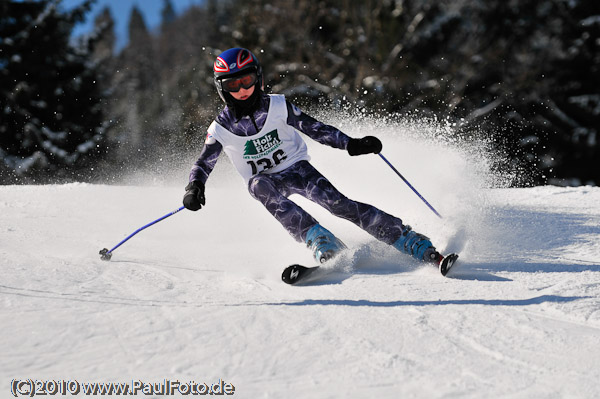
(366, 145)
(194, 195)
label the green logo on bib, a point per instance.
(262, 144)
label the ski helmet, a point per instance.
(235, 62)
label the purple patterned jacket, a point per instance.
(250, 125)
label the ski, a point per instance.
(295, 273)
(447, 263)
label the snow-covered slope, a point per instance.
(198, 297)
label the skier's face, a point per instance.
(242, 94)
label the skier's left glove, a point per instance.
(366, 145)
(194, 195)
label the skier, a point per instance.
(259, 133)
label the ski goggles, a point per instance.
(234, 85)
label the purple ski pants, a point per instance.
(273, 190)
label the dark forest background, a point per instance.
(523, 74)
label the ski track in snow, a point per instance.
(198, 296)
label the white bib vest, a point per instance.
(276, 147)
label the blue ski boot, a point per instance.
(418, 246)
(323, 243)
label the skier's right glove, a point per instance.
(194, 195)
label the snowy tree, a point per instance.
(167, 13)
(105, 46)
(137, 87)
(52, 117)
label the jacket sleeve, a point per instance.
(206, 162)
(316, 130)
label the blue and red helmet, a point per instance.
(232, 63)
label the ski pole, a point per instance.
(409, 185)
(106, 254)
